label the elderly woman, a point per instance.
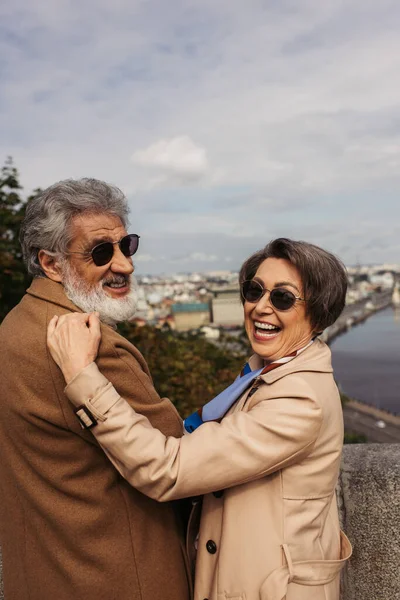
(265, 453)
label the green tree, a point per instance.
(187, 369)
(13, 277)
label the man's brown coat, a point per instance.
(70, 527)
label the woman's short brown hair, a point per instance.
(324, 277)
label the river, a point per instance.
(366, 361)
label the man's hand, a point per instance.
(73, 341)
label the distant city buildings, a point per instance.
(209, 302)
(225, 306)
(192, 315)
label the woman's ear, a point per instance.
(50, 266)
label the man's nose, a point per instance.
(121, 263)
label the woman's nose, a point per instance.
(264, 303)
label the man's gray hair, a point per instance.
(48, 217)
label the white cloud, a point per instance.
(177, 159)
(145, 258)
(202, 257)
(290, 113)
(196, 257)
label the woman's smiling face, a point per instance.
(273, 333)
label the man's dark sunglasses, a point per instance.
(280, 298)
(103, 253)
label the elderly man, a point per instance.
(71, 528)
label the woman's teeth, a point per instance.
(266, 329)
(260, 325)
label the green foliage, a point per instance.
(351, 437)
(13, 277)
(354, 438)
(187, 369)
(344, 398)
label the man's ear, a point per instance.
(50, 266)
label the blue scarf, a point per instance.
(216, 408)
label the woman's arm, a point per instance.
(243, 447)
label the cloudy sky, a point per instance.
(226, 122)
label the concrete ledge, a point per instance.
(369, 505)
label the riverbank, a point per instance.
(357, 313)
(377, 425)
(375, 412)
(366, 363)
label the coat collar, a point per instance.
(316, 358)
(51, 291)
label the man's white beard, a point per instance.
(94, 298)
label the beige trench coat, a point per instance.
(269, 523)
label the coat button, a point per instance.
(211, 547)
(218, 494)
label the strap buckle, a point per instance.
(85, 417)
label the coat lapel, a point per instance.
(316, 358)
(51, 291)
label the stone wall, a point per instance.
(369, 507)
